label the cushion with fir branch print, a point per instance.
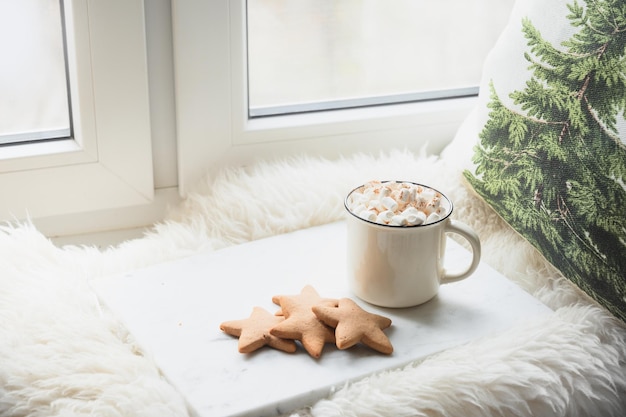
(549, 149)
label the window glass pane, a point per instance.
(34, 98)
(302, 51)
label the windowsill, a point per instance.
(101, 240)
(38, 148)
(12, 158)
(362, 114)
(327, 124)
(109, 227)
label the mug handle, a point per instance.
(471, 236)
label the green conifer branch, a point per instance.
(618, 142)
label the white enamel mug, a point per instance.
(403, 266)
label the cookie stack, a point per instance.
(313, 321)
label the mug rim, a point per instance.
(345, 205)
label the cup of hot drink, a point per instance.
(396, 243)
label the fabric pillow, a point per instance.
(549, 148)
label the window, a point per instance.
(107, 161)
(306, 55)
(34, 103)
(212, 97)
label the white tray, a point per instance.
(174, 311)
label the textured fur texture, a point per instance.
(60, 355)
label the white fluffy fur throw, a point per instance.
(61, 356)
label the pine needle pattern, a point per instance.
(554, 167)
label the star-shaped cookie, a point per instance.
(254, 332)
(353, 325)
(300, 323)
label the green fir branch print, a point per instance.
(556, 169)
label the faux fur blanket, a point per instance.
(60, 355)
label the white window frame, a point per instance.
(108, 162)
(213, 129)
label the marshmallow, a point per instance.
(433, 217)
(428, 194)
(376, 205)
(357, 198)
(358, 208)
(389, 203)
(399, 220)
(405, 195)
(368, 215)
(410, 209)
(370, 195)
(413, 216)
(431, 207)
(384, 192)
(385, 217)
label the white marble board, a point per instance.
(174, 311)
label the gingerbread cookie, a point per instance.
(254, 332)
(353, 325)
(301, 323)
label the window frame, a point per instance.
(108, 161)
(213, 128)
